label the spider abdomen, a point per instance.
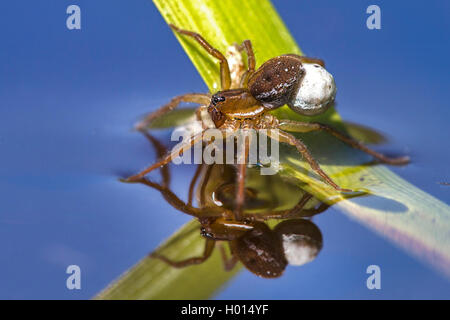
(301, 83)
(316, 91)
(273, 83)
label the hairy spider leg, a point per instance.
(177, 203)
(202, 200)
(209, 248)
(161, 151)
(251, 61)
(284, 214)
(192, 141)
(225, 78)
(228, 263)
(242, 169)
(301, 147)
(200, 98)
(297, 126)
(193, 182)
(298, 211)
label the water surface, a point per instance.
(69, 99)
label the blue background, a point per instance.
(68, 99)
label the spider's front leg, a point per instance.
(161, 151)
(178, 204)
(225, 77)
(191, 142)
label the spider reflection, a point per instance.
(264, 250)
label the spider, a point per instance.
(263, 250)
(301, 83)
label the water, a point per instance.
(69, 98)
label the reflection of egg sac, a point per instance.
(316, 91)
(299, 249)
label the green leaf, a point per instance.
(154, 279)
(364, 134)
(394, 208)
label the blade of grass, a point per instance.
(154, 279)
(395, 209)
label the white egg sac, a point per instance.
(299, 250)
(316, 91)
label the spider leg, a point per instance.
(290, 213)
(173, 154)
(161, 150)
(228, 263)
(225, 77)
(164, 188)
(242, 169)
(203, 186)
(209, 247)
(240, 194)
(251, 61)
(319, 209)
(200, 98)
(193, 182)
(299, 211)
(179, 204)
(297, 126)
(298, 208)
(301, 147)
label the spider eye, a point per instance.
(216, 99)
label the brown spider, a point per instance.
(300, 82)
(264, 251)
